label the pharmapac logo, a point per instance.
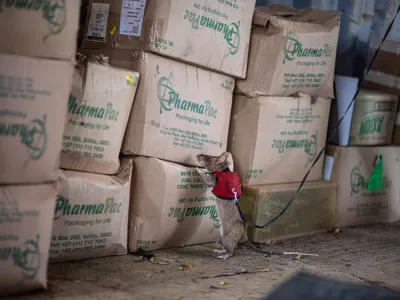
(53, 11)
(292, 49)
(32, 135)
(169, 99)
(358, 182)
(25, 257)
(231, 32)
(309, 145)
(65, 208)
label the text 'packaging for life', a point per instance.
(98, 111)
(291, 51)
(313, 210)
(91, 215)
(25, 229)
(367, 193)
(276, 139)
(180, 29)
(46, 29)
(179, 111)
(33, 107)
(170, 206)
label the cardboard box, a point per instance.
(181, 29)
(25, 228)
(351, 168)
(91, 215)
(34, 96)
(123, 59)
(312, 211)
(385, 73)
(170, 206)
(372, 120)
(179, 111)
(45, 29)
(291, 51)
(276, 139)
(98, 111)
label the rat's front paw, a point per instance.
(226, 256)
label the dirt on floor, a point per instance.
(368, 255)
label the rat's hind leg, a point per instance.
(244, 237)
(226, 256)
(219, 251)
(221, 232)
(230, 242)
(228, 248)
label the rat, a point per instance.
(233, 228)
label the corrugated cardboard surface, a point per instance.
(291, 54)
(312, 211)
(123, 59)
(91, 215)
(385, 73)
(25, 231)
(39, 28)
(169, 207)
(276, 139)
(385, 70)
(373, 118)
(98, 111)
(351, 169)
(34, 96)
(152, 24)
(184, 30)
(179, 111)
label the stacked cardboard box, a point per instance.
(180, 109)
(180, 112)
(368, 188)
(384, 74)
(91, 213)
(352, 168)
(280, 118)
(179, 29)
(35, 81)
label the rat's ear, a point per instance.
(222, 158)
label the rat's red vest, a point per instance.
(226, 181)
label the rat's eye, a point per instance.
(207, 158)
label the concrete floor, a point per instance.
(364, 255)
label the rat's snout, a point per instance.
(200, 159)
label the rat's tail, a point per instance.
(275, 252)
(256, 249)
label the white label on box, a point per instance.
(97, 28)
(132, 12)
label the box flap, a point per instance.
(282, 16)
(262, 14)
(326, 18)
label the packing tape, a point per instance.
(113, 29)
